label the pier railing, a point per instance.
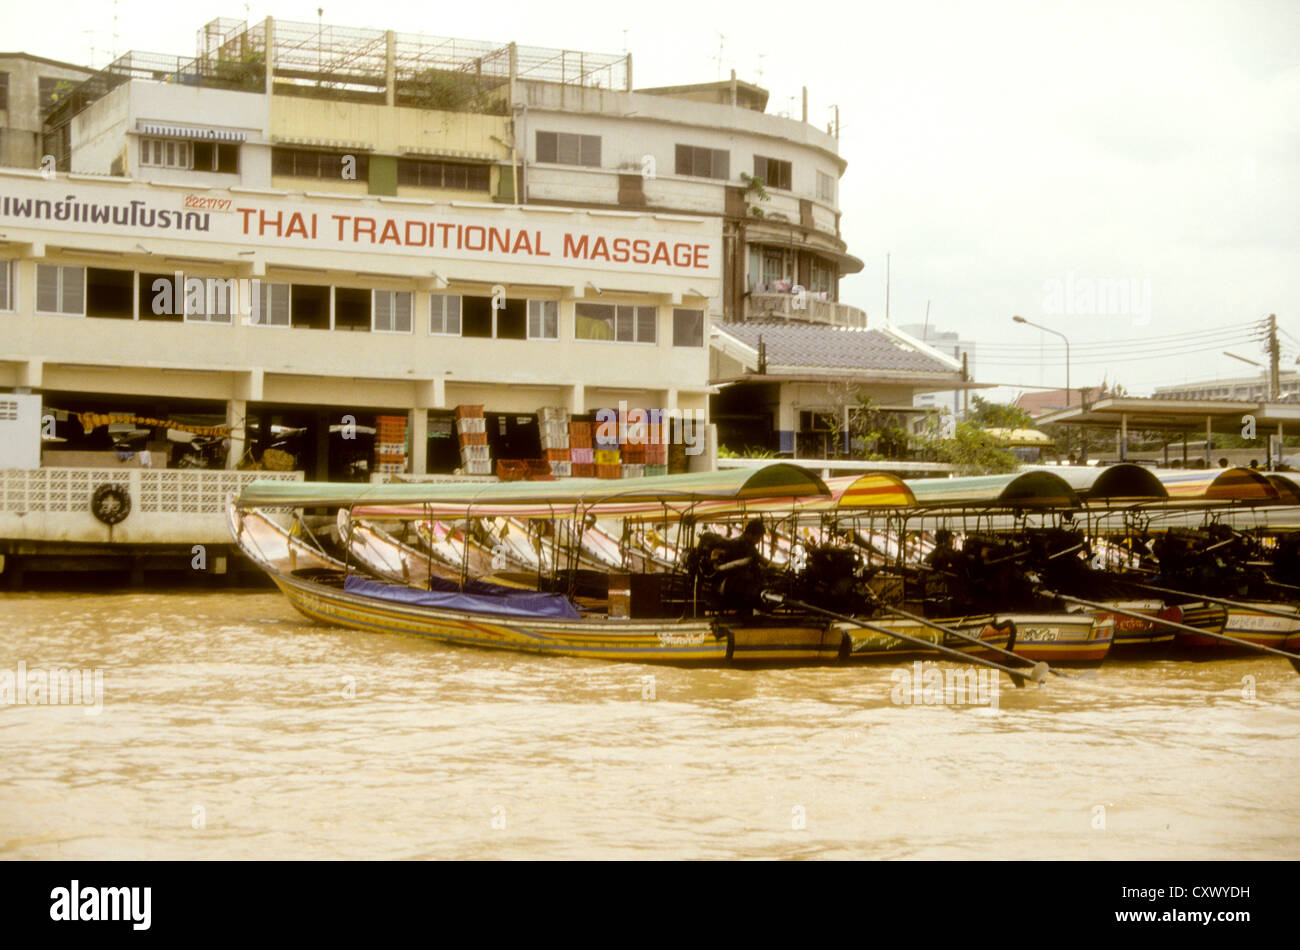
(167, 506)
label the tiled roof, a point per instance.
(792, 346)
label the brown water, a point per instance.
(229, 712)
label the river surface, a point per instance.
(232, 728)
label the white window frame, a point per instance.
(438, 306)
(546, 315)
(158, 157)
(826, 187)
(61, 289)
(210, 314)
(265, 290)
(8, 286)
(620, 311)
(704, 328)
(400, 303)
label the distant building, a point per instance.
(949, 344)
(1240, 388)
(30, 88)
(1043, 401)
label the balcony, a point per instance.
(806, 307)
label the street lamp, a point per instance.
(1067, 362)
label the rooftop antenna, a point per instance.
(625, 42)
(760, 68)
(114, 30)
(925, 328)
(90, 38)
(722, 41)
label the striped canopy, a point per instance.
(1222, 484)
(778, 481)
(1023, 490)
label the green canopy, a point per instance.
(1024, 490)
(1110, 482)
(772, 481)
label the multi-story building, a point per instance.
(389, 183)
(949, 344)
(1239, 388)
(30, 89)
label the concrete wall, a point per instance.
(20, 123)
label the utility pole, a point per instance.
(1274, 357)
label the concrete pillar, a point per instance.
(417, 427)
(236, 410)
(578, 399)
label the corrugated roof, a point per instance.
(794, 346)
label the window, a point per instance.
(110, 293)
(61, 289)
(392, 311)
(774, 172)
(304, 163)
(619, 323)
(271, 305)
(565, 148)
(703, 162)
(215, 157)
(51, 92)
(688, 327)
(164, 153)
(352, 310)
(823, 276)
(4, 90)
(444, 314)
(424, 174)
(773, 268)
(309, 306)
(7, 283)
(179, 297)
(543, 319)
(825, 187)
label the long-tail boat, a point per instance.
(640, 617)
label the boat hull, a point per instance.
(1063, 639)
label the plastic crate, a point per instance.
(582, 469)
(607, 457)
(585, 456)
(469, 412)
(632, 471)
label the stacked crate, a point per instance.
(471, 431)
(607, 456)
(656, 449)
(390, 444)
(553, 426)
(582, 452)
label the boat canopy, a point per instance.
(1024, 490)
(1288, 490)
(1224, 484)
(780, 480)
(875, 490)
(1111, 482)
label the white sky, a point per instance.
(992, 148)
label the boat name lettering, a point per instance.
(680, 639)
(1038, 634)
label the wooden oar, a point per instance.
(1213, 600)
(1037, 674)
(988, 646)
(1291, 658)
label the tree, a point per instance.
(970, 449)
(995, 415)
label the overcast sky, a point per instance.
(1010, 157)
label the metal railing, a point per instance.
(769, 306)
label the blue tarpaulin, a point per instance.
(521, 603)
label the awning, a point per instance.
(780, 480)
(181, 132)
(1035, 489)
